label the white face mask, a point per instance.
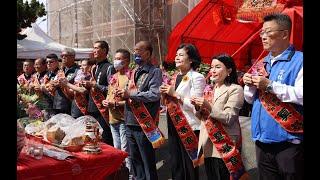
(118, 64)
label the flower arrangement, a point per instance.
(204, 69)
(258, 69)
(34, 112)
(30, 103)
(208, 92)
(168, 77)
(165, 77)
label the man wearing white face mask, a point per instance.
(116, 106)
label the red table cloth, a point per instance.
(82, 166)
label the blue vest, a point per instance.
(284, 70)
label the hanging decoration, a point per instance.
(290, 3)
(224, 12)
(255, 10)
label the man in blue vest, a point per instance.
(274, 85)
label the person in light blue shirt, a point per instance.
(279, 148)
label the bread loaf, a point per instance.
(76, 141)
(55, 134)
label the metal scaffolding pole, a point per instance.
(76, 22)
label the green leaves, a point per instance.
(170, 68)
(28, 13)
(26, 97)
(204, 69)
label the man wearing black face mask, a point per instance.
(142, 91)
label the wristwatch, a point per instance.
(269, 87)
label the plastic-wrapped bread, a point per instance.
(61, 119)
(55, 134)
(76, 131)
(35, 128)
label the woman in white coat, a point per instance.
(183, 125)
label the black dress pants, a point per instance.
(106, 134)
(63, 111)
(181, 164)
(142, 154)
(75, 111)
(280, 161)
(216, 169)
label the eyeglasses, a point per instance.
(268, 33)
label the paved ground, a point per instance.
(248, 152)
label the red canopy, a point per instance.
(238, 38)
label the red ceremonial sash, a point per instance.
(49, 88)
(35, 81)
(98, 97)
(143, 117)
(283, 113)
(65, 90)
(114, 83)
(81, 101)
(184, 130)
(226, 148)
(228, 151)
(187, 136)
(23, 81)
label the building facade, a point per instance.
(122, 23)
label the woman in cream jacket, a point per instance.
(224, 107)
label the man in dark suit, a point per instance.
(62, 98)
(53, 68)
(148, 79)
(101, 72)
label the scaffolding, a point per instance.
(122, 23)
